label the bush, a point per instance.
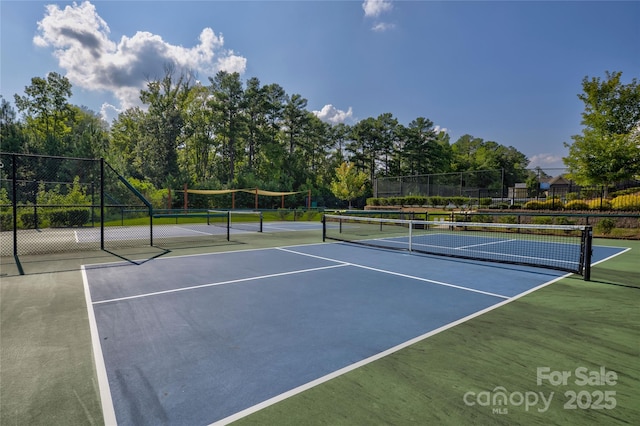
(576, 205)
(459, 201)
(628, 202)
(6, 221)
(553, 204)
(373, 201)
(542, 220)
(605, 226)
(437, 201)
(534, 205)
(508, 219)
(69, 217)
(28, 220)
(561, 220)
(486, 201)
(482, 218)
(599, 204)
(571, 196)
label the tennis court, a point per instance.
(210, 338)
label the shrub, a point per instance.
(459, 201)
(28, 220)
(542, 220)
(553, 204)
(599, 204)
(6, 221)
(413, 200)
(561, 220)
(533, 205)
(576, 205)
(373, 201)
(486, 201)
(628, 202)
(437, 201)
(482, 218)
(605, 226)
(69, 217)
(508, 219)
(571, 196)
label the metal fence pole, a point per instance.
(14, 195)
(102, 204)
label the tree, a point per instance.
(162, 126)
(607, 151)
(227, 104)
(349, 183)
(11, 133)
(48, 113)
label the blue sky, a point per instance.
(507, 71)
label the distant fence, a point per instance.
(486, 188)
(474, 184)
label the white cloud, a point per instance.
(438, 130)
(331, 114)
(109, 112)
(374, 8)
(80, 41)
(382, 26)
(545, 160)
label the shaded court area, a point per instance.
(210, 338)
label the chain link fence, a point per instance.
(474, 184)
(52, 204)
(495, 188)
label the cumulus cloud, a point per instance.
(80, 41)
(545, 160)
(374, 8)
(438, 130)
(331, 114)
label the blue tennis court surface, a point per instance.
(198, 339)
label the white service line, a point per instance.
(400, 274)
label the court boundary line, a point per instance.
(309, 385)
(106, 401)
(384, 271)
(108, 409)
(239, 280)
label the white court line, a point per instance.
(485, 244)
(193, 230)
(176, 290)
(279, 398)
(103, 382)
(399, 274)
(108, 411)
(342, 371)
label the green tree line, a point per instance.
(230, 133)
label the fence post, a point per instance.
(14, 194)
(101, 203)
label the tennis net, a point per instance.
(239, 220)
(560, 247)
